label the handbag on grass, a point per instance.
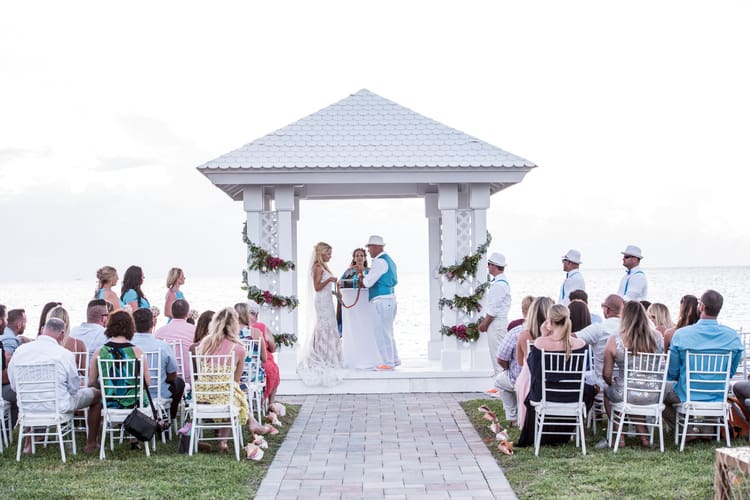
(138, 424)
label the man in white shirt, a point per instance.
(597, 334)
(573, 277)
(70, 395)
(91, 332)
(633, 286)
(496, 307)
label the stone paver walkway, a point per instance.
(396, 446)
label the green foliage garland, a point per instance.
(261, 260)
(468, 266)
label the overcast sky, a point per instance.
(637, 115)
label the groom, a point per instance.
(380, 281)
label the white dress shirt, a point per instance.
(497, 298)
(45, 349)
(633, 286)
(573, 281)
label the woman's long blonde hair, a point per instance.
(661, 316)
(243, 314)
(537, 315)
(559, 316)
(173, 276)
(636, 330)
(224, 325)
(319, 250)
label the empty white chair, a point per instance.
(563, 379)
(707, 385)
(212, 404)
(643, 396)
(39, 407)
(121, 382)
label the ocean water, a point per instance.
(666, 285)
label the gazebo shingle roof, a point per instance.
(365, 130)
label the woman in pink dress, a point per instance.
(273, 377)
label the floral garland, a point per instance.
(268, 297)
(261, 260)
(469, 304)
(468, 266)
(285, 339)
(464, 333)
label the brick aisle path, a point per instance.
(399, 446)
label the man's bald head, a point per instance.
(613, 306)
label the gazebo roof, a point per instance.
(368, 140)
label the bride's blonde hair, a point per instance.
(319, 250)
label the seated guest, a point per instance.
(70, 395)
(584, 297)
(580, 317)
(74, 345)
(556, 337)
(525, 305)
(689, 315)
(273, 377)
(635, 337)
(659, 316)
(179, 329)
(45, 312)
(707, 335)
(597, 334)
(505, 382)
(172, 386)
(537, 315)
(8, 394)
(119, 332)
(91, 332)
(15, 325)
(201, 329)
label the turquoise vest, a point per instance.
(385, 284)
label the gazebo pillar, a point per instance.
(286, 230)
(435, 344)
(450, 356)
(253, 202)
(479, 202)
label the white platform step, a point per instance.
(411, 376)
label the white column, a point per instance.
(435, 344)
(479, 202)
(450, 356)
(284, 204)
(252, 201)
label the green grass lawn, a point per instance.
(563, 472)
(125, 473)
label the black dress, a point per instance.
(535, 394)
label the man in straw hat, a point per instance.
(573, 277)
(496, 307)
(381, 280)
(633, 286)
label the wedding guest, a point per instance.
(223, 339)
(132, 295)
(506, 357)
(633, 286)
(573, 277)
(248, 331)
(70, 393)
(580, 317)
(179, 329)
(107, 278)
(175, 279)
(92, 331)
(556, 337)
(74, 345)
(525, 304)
(7, 393)
(45, 311)
(584, 297)
(534, 321)
(635, 337)
(15, 325)
(597, 334)
(381, 282)
(496, 306)
(119, 332)
(273, 377)
(201, 329)
(688, 315)
(659, 316)
(172, 386)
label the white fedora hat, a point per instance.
(633, 250)
(573, 256)
(376, 240)
(497, 258)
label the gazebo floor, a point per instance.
(414, 375)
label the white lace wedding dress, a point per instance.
(320, 361)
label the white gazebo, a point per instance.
(365, 146)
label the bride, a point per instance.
(320, 360)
